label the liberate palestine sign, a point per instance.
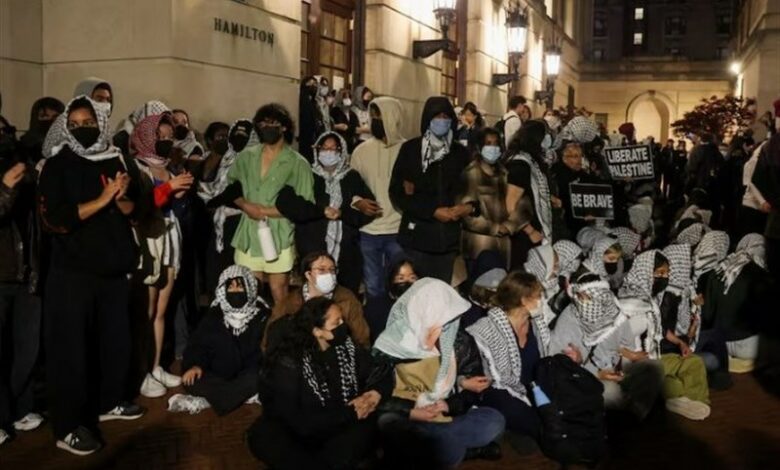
(244, 31)
(631, 163)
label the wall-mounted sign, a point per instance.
(243, 31)
(633, 162)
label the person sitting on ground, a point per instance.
(400, 278)
(606, 261)
(222, 358)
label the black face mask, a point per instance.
(270, 134)
(239, 141)
(659, 285)
(398, 289)
(163, 148)
(86, 136)
(611, 268)
(221, 146)
(44, 125)
(378, 129)
(236, 299)
(180, 132)
(340, 335)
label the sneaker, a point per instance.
(4, 437)
(180, 403)
(29, 422)
(693, 410)
(168, 380)
(126, 411)
(741, 366)
(79, 442)
(151, 388)
(253, 400)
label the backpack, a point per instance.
(501, 128)
(573, 424)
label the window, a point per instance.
(675, 26)
(723, 24)
(599, 24)
(548, 7)
(598, 55)
(326, 48)
(638, 39)
(449, 60)
(639, 14)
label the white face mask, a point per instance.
(326, 283)
(104, 107)
(328, 158)
(553, 122)
(347, 102)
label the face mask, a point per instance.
(611, 268)
(340, 335)
(270, 134)
(328, 158)
(398, 289)
(659, 285)
(180, 132)
(491, 153)
(547, 142)
(104, 107)
(378, 129)
(239, 141)
(221, 146)
(346, 102)
(440, 126)
(324, 89)
(236, 299)
(163, 148)
(44, 125)
(86, 136)
(326, 283)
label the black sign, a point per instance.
(594, 200)
(634, 162)
(244, 31)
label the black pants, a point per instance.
(438, 265)
(520, 417)
(88, 346)
(225, 395)
(20, 332)
(273, 442)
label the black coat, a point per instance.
(348, 117)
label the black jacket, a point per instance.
(704, 166)
(766, 177)
(418, 194)
(20, 234)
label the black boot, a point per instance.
(491, 451)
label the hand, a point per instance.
(441, 407)
(366, 403)
(589, 218)
(476, 384)
(426, 414)
(14, 174)
(556, 202)
(461, 210)
(181, 182)
(502, 231)
(444, 215)
(766, 207)
(573, 352)
(635, 356)
(193, 374)
(536, 236)
(110, 190)
(685, 350)
(699, 300)
(408, 188)
(124, 182)
(254, 211)
(611, 375)
(368, 207)
(331, 213)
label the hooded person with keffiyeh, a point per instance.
(604, 261)
(424, 187)
(330, 222)
(85, 198)
(543, 262)
(707, 255)
(42, 115)
(222, 358)
(125, 128)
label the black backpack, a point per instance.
(573, 424)
(501, 128)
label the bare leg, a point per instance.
(159, 317)
(279, 286)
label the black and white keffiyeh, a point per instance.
(434, 148)
(333, 189)
(751, 248)
(712, 249)
(587, 238)
(580, 129)
(597, 311)
(681, 283)
(692, 234)
(636, 298)
(318, 383)
(541, 191)
(628, 239)
(569, 254)
(541, 263)
(595, 260)
(59, 136)
(150, 108)
(237, 319)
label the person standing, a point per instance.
(511, 120)
(309, 118)
(363, 98)
(703, 172)
(43, 113)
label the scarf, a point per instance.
(580, 129)
(681, 283)
(568, 257)
(208, 191)
(599, 315)
(695, 212)
(712, 249)
(324, 109)
(752, 248)
(333, 190)
(317, 381)
(628, 239)
(237, 319)
(144, 137)
(636, 298)
(150, 108)
(587, 238)
(434, 148)
(59, 136)
(427, 303)
(641, 218)
(541, 263)
(595, 260)
(541, 191)
(692, 234)
(188, 145)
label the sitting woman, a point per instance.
(319, 392)
(544, 264)
(707, 256)
(400, 278)
(511, 340)
(605, 261)
(222, 358)
(427, 418)
(330, 222)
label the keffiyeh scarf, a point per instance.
(333, 190)
(568, 257)
(712, 249)
(144, 137)
(150, 108)
(237, 319)
(59, 136)
(636, 298)
(318, 382)
(597, 311)
(752, 247)
(692, 234)
(580, 129)
(541, 191)
(595, 260)
(587, 238)
(628, 239)
(434, 148)
(681, 283)
(541, 263)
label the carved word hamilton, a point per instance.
(243, 31)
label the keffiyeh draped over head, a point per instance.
(595, 261)
(426, 304)
(752, 247)
(333, 189)
(540, 188)
(580, 129)
(636, 298)
(150, 108)
(541, 263)
(144, 137)
(59, 136)
(712, 249)
(587, 238)
(568, 257)
(597, 311)
(680, 282)
(628, 240)
(237, 319)
(692, 234)
(641, 217)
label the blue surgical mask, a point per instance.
(328, 158)
(440, 126)
(547, 142)
(491, 153)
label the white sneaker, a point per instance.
(691, 409)
(4, 436)
(29, 422)
(167, 379)
(253, 400)
(180, 403)
(151, 388)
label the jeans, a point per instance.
(449, 441)
(378, 252)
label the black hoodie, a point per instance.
(32, 141)
(418, 194)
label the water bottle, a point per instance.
(540, 397)
(267, 245)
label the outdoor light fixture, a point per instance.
(552, 65)
(445, 14)
(516, 35)
(735, 68)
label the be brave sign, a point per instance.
(244, 31)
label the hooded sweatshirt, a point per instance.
(88, 85)
(32, 140)
(374, 160)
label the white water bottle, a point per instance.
(267, 246)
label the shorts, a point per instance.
(283, 264)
